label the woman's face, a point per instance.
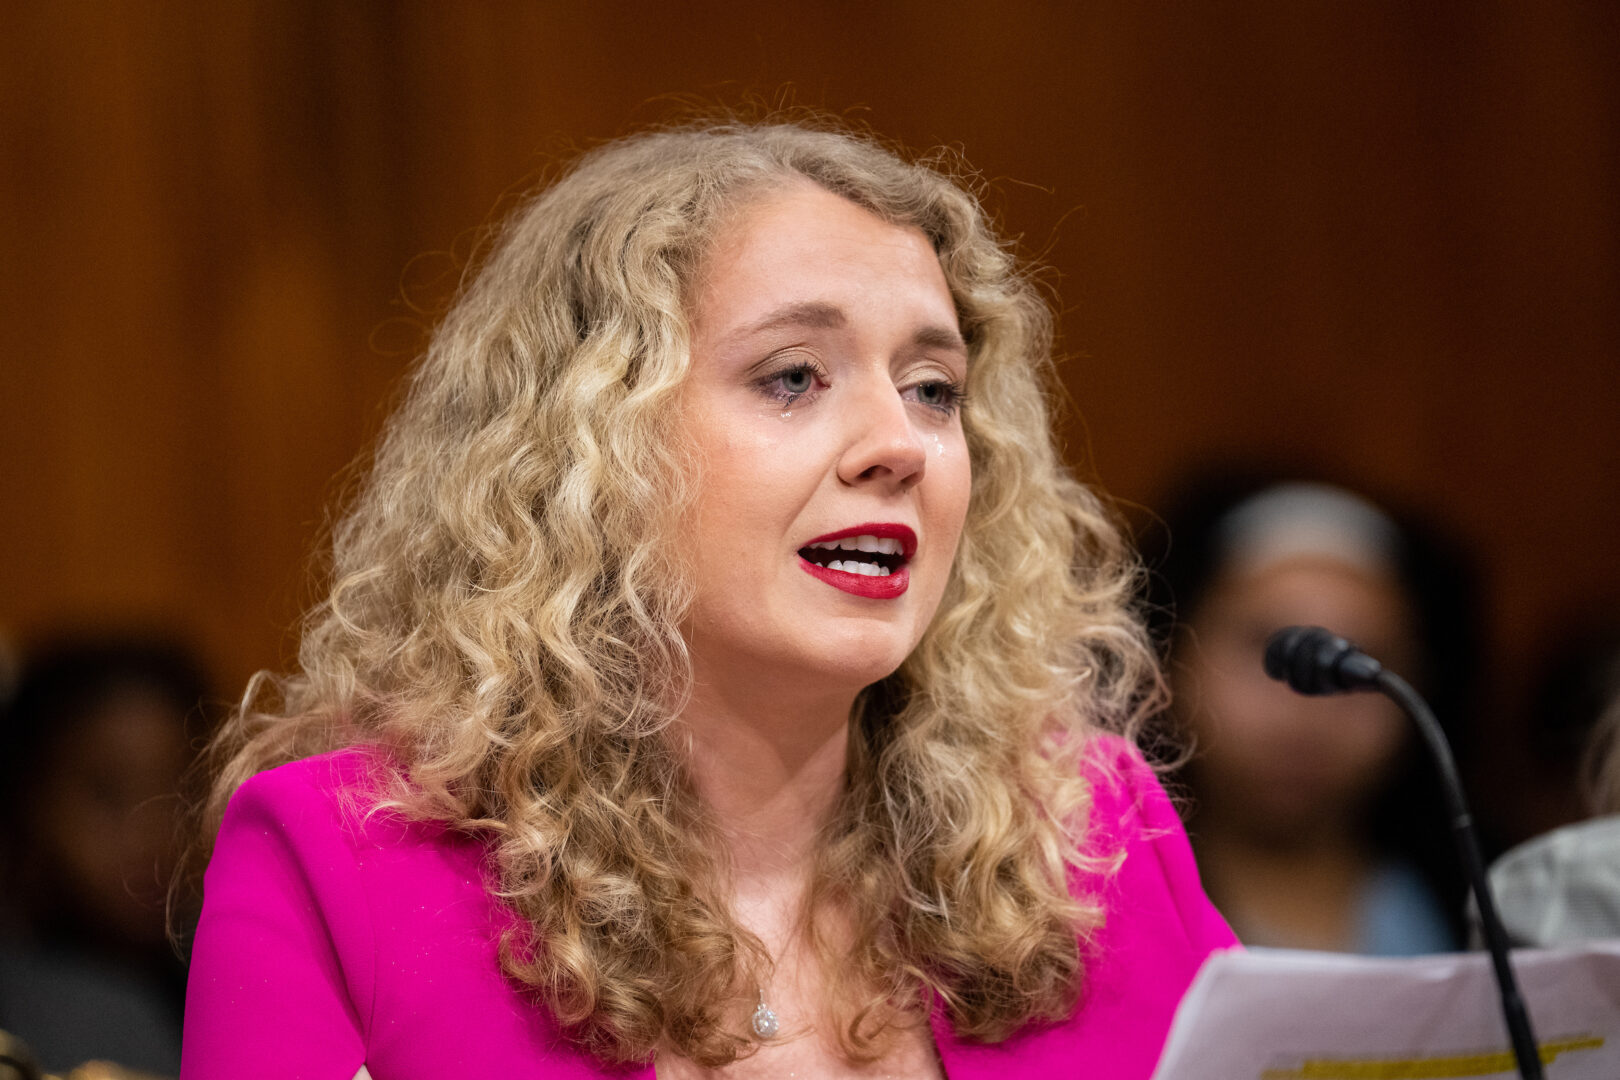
(823, 404)
(1269, 760)
(105, 812)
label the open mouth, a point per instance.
(873, 556)
(865, 560)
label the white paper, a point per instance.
(1281, 1014)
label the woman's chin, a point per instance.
(848, 675)
(845, 670)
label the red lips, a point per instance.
(887, 587)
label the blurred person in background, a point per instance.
(1575, 679)
(1316, 822)
(1563, 886)
(93, 744)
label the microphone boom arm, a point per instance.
(1525, 1051)
(1315, 662)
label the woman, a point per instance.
(92, 748)
(713, 673)
(1317, 825)
(1563, 886)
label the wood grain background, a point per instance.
(1377, 237)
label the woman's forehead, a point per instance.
(801, 253)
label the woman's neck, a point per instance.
(770, 767)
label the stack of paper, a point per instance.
(1278, 1014)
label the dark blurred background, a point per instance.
(1378, 240)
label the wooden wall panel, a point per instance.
(1378, 236)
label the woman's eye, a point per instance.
(790, 384)
(798, 381)
(938, 394)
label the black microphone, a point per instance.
(1317, 662)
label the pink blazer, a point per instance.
(325, 944)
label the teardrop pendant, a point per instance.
(764, 1022)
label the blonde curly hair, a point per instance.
(506, 596)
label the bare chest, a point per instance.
(910, 1056)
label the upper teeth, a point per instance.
(886, 545)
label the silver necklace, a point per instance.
(764, 1020)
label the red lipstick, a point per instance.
(879, 587)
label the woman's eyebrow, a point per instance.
(939, 337)
(821, 315)
(805, 315)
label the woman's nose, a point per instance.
(883, 444)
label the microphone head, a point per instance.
(1316, 661)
